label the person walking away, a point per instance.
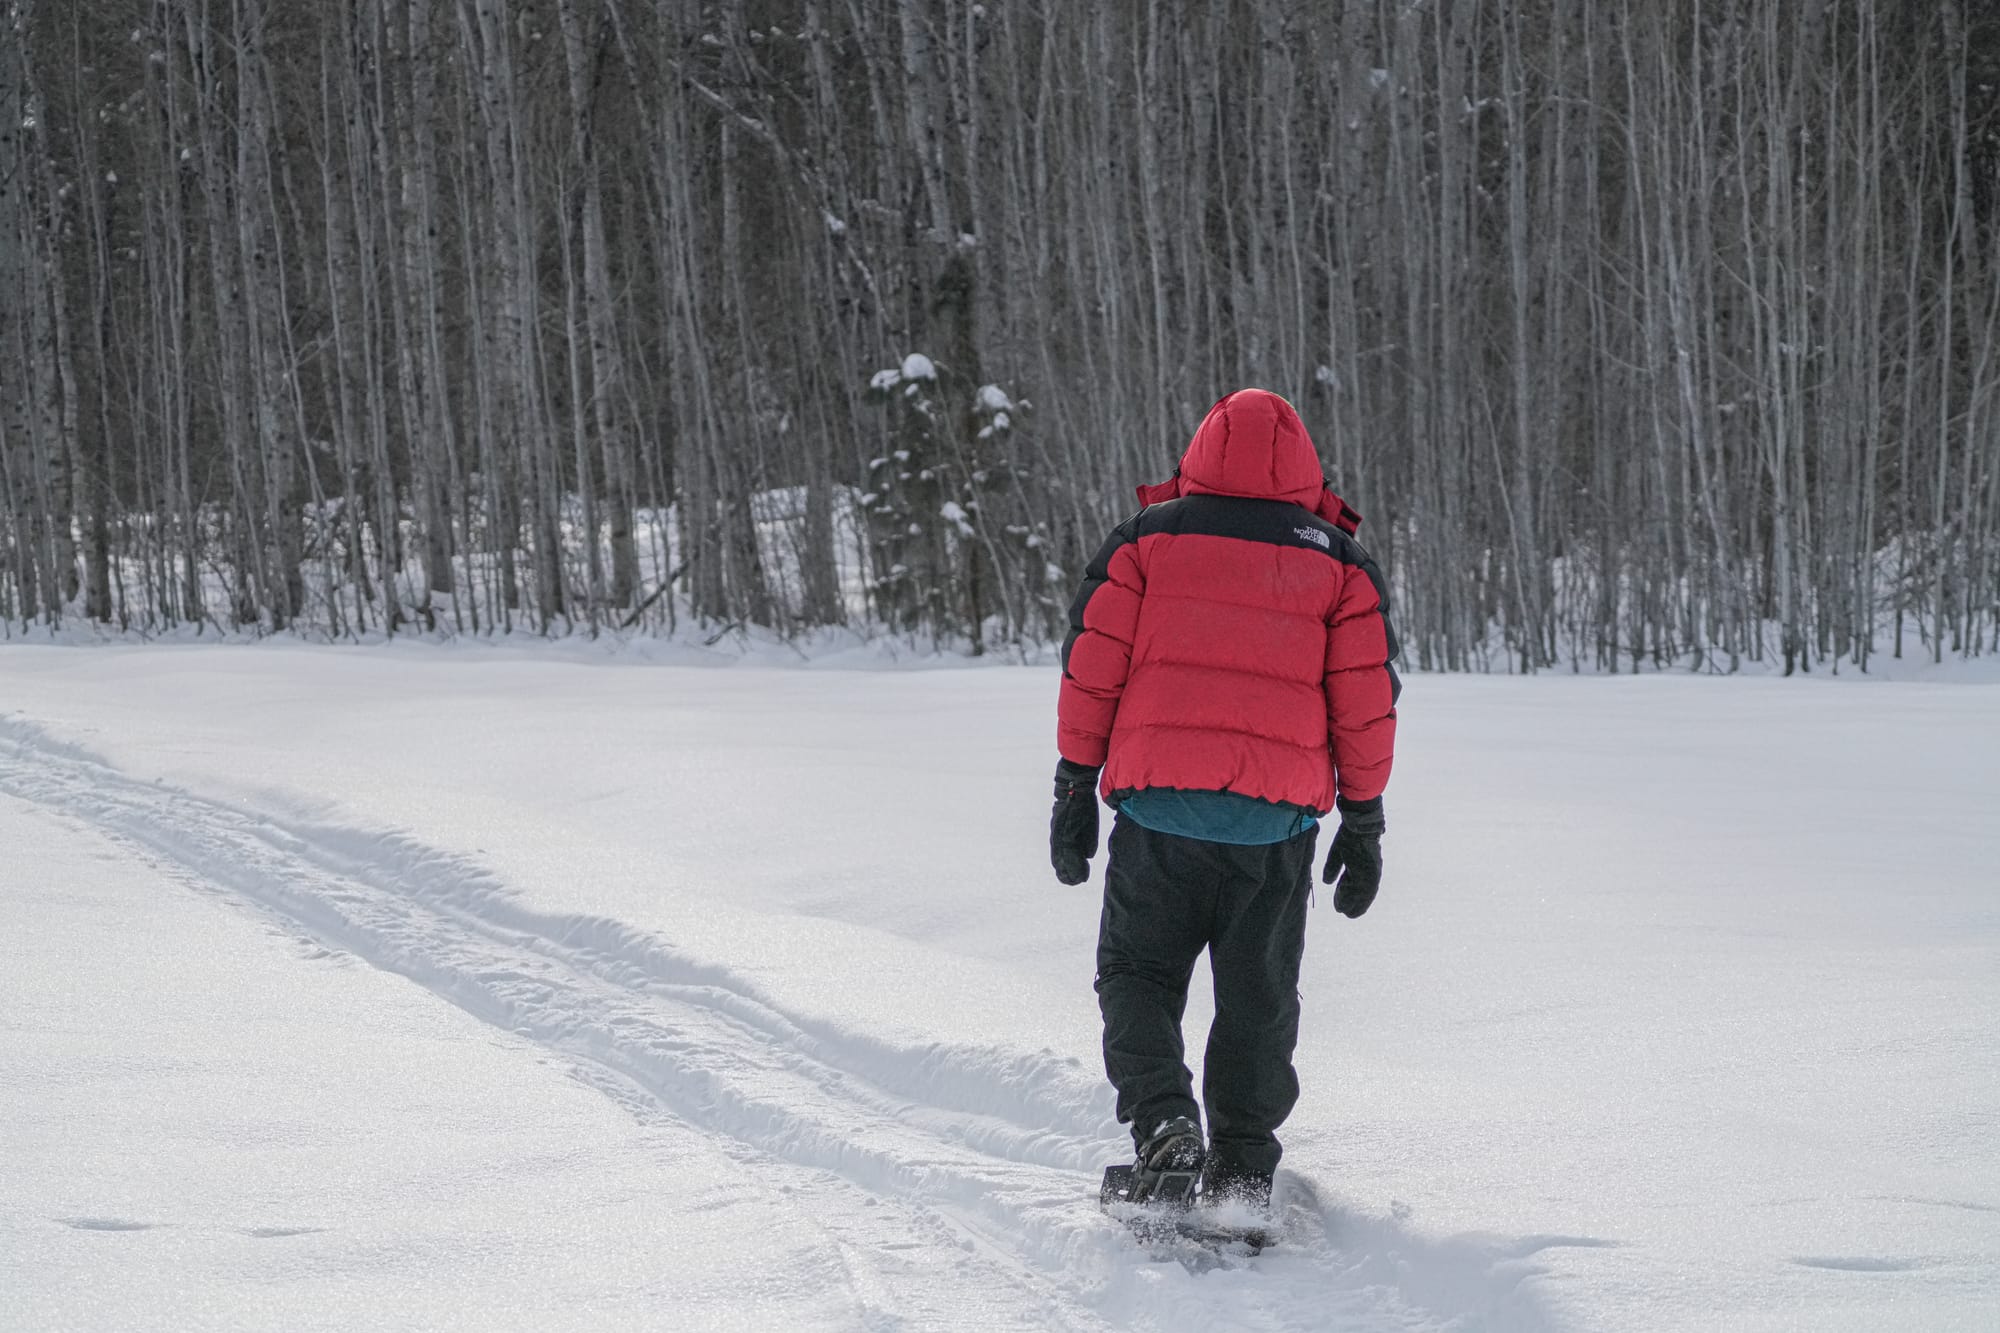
(1227, 682)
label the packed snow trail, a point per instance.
(952, 1179)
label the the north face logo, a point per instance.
(1315, 536)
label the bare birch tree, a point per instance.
(1645, 335)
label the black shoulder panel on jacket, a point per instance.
(1094, 576)
(1272, 522)
(1395, 648)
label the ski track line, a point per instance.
(715, 1058)
(990, 1155)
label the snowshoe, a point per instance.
(1155, 1197)
(1174, 1193)
(1159, 1186)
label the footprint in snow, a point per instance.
(1860, 1265)
(105, 1224)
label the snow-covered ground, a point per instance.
(415, 987)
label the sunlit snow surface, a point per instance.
(412, 987)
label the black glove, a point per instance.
(1355, 859)
(1073, 826)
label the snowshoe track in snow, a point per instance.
(963, 1172)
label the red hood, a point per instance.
(1253, 444)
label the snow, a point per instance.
(993, 398)
(475, 987)
(916, 368)
(247, 1131)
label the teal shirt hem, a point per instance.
(1215, 816)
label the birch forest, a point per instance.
(1646, 335)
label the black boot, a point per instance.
(1225, 1183)
(1237, 1204)
(1166, 1170)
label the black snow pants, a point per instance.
(1165, 899)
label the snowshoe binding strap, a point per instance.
(1169, 1165)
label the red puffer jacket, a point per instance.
(1232, 635)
